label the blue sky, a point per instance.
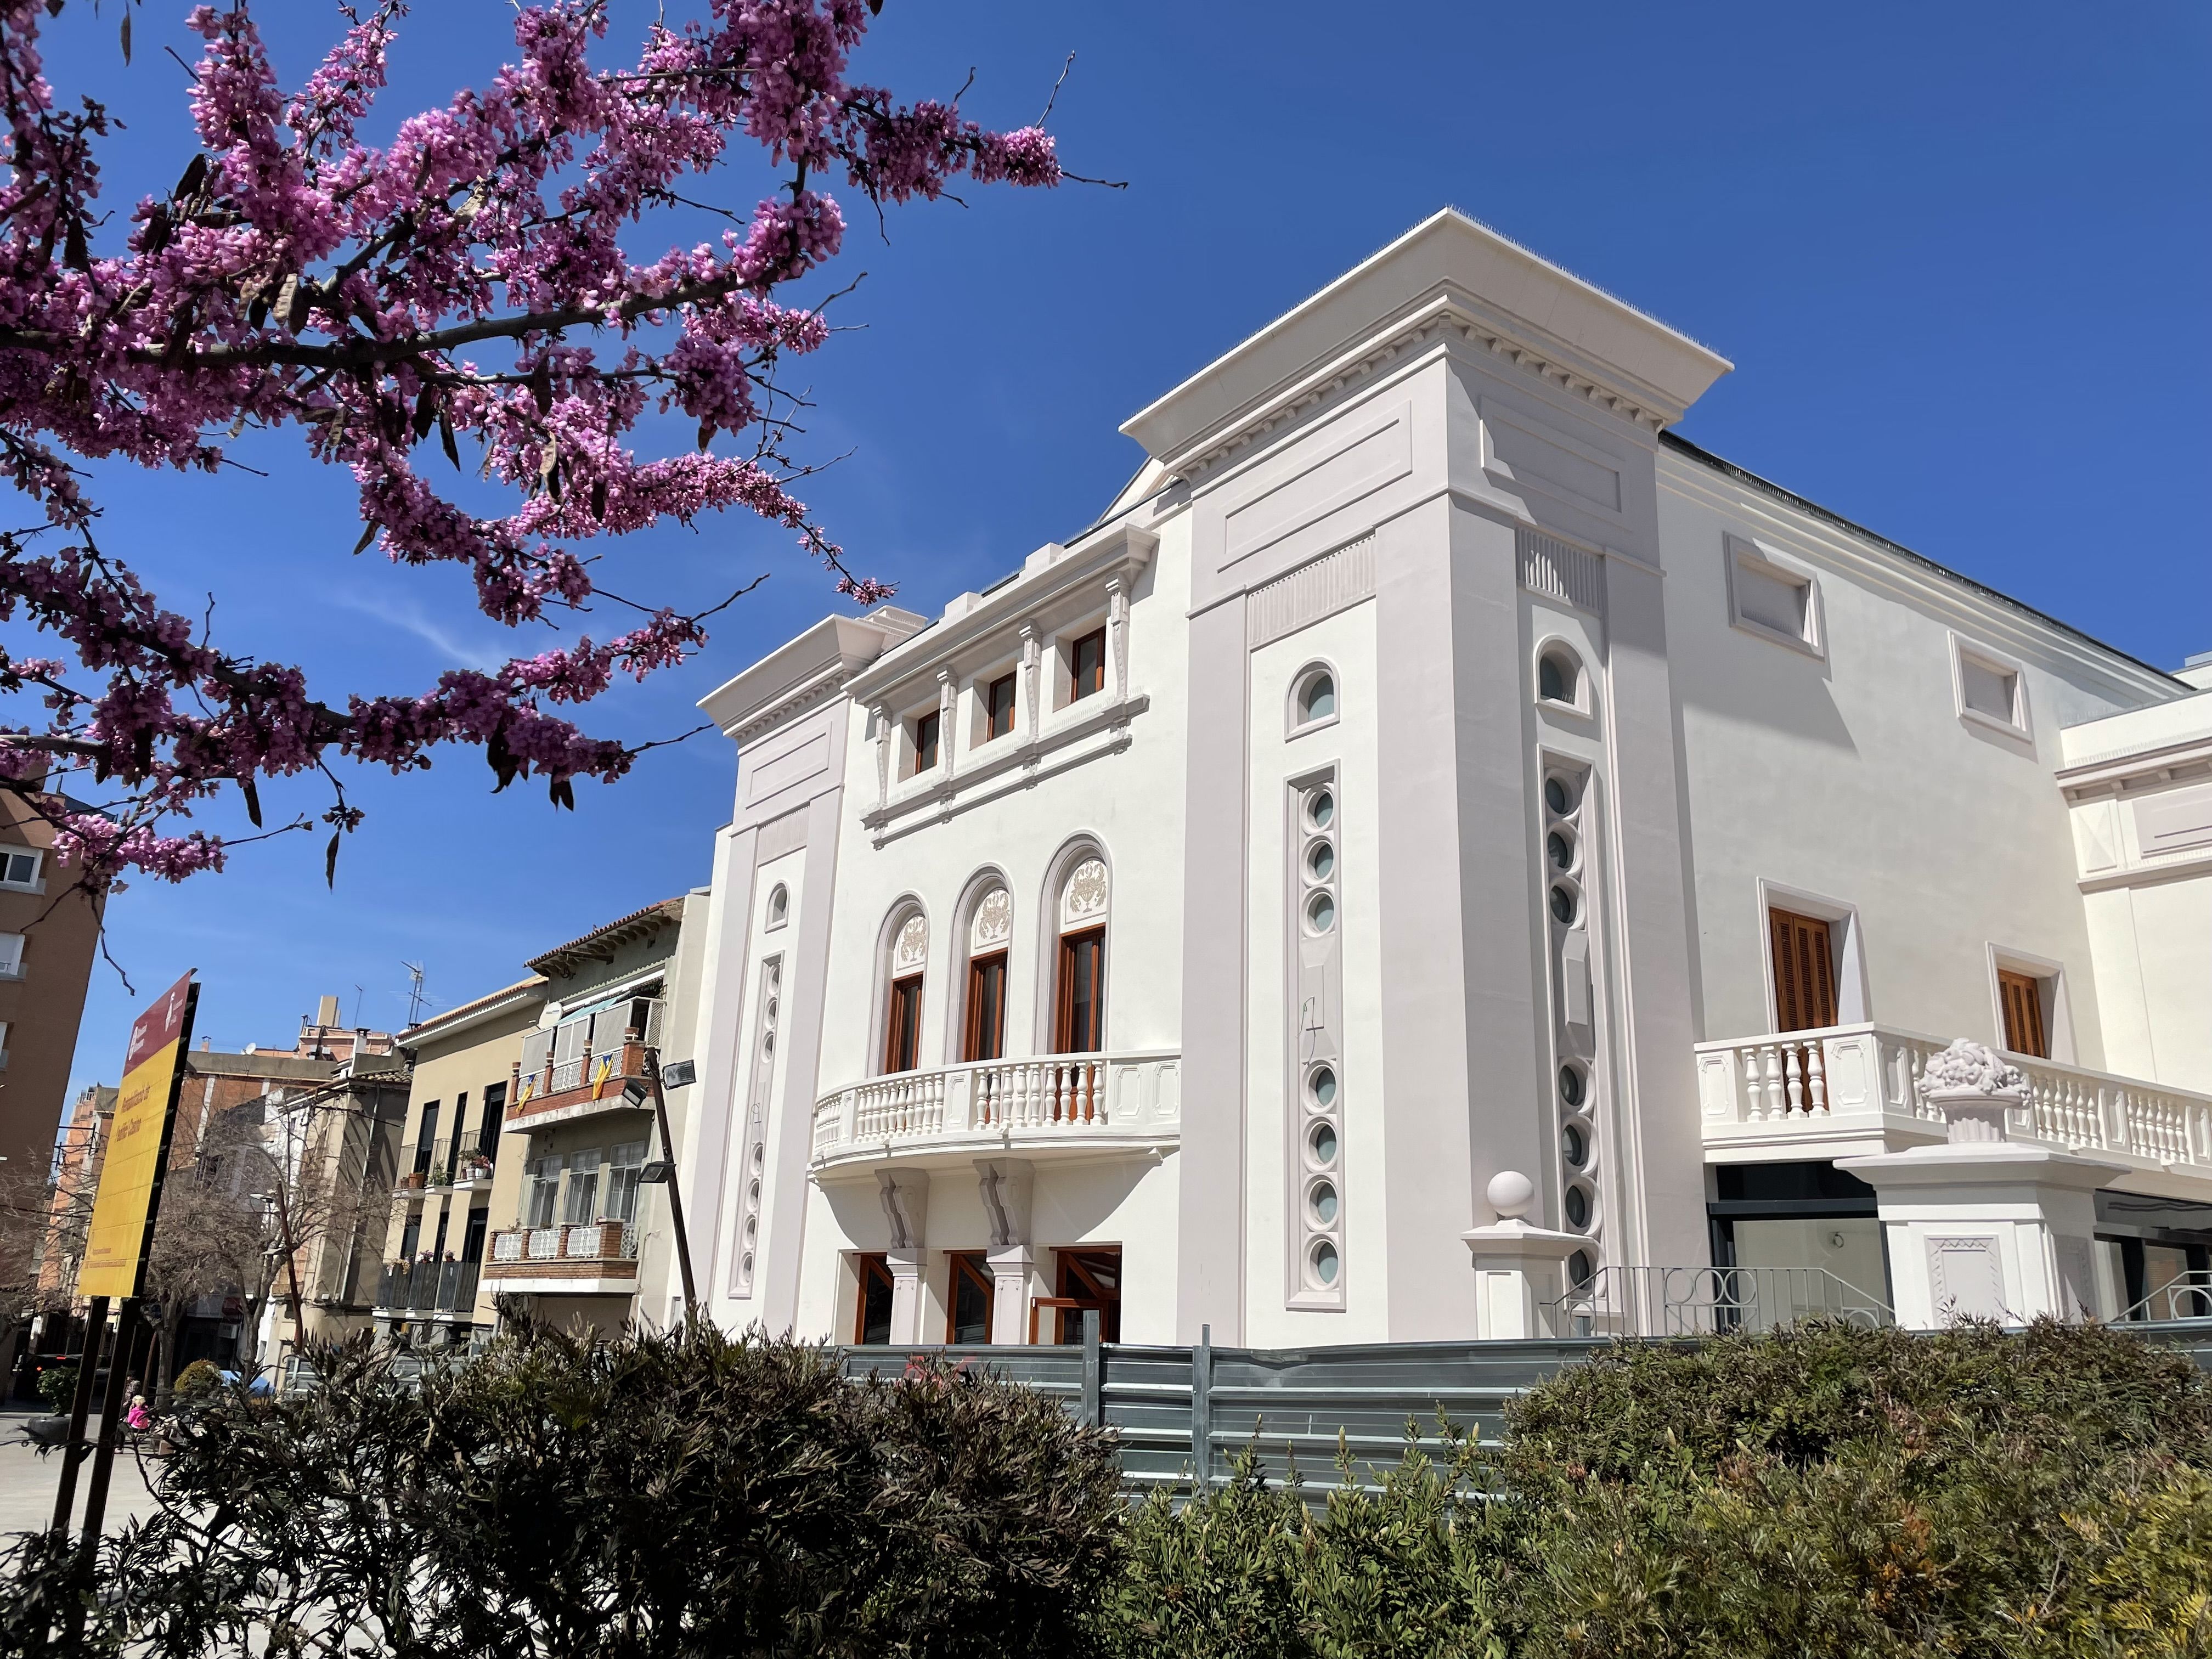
(1958, 255)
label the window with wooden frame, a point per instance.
(925, 743)
(1089, 1278)
(902, 1024)
(969, 1299)
(2026, 1029)
(1086, 665)
(999, 708)
(1804, 971)
(1078, 1024)
(871, 1311)
(984, 1035)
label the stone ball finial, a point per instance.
(1511, 1194)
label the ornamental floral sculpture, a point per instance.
(463, 285)
(1973, 1088)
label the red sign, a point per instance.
(157, 1028)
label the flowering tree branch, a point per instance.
(465, 283)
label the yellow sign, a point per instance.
(138, 1141)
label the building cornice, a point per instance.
(2114, 775)
(1122, 549)
(805, 671)
(1447, 275)
(440, 1027)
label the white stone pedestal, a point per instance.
(1519, 1270)
(1984, 1227)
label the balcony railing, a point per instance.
(1862, 1082)
(1655, 1301)
(455, 1161)
(1083, 1102)
(428, 1287)
(572, 1250)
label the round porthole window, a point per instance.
(1323, 1199)
(1563, 904)
(746, 1266)
(759, 1156)
(1572, 1144)
(1320, 862)
(1560, 850)
(1321, 912)
(1578, 1268)
(1578, 1207)
(752, 1227)
(1557, 796)
(1321, 808)
(1322, 1263)
(1571, 1086)
(1322, 1143)
(1321, 1085)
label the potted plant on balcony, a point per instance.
(414, 1180)
(476, 1167)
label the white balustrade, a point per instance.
(1855, 1077)
(544, 1244)
(1045, 1098)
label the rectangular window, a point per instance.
(583, 1196)
(871, 1320)
(1086, 665)
(1091, 1278)
(545, 1187)
(999, 708)
(19, 867)
(902, 1024)
(624, 1166)
(1770, 598)
(494, 1108)
(438, 1241)
(11, 956)
(410, 1235)
(1989, 690)
(2025, 1030)
(925, 743)
(1079, 1017)
(968, 1321)
(451, 1159)
(472, 1241)
(425, 1139)
(986, 1035)
(1804, 972)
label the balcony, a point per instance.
(1851, 1090)
(589, 1258)
(566, 1078)
(428, 1287)
(459, 1161)
(1067, 1105)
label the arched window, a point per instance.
(909, 953)
(1559, 676)
(1313, 699)
(990, 929)
(1079, 1023)
(779, 905)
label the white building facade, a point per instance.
(1429, 771)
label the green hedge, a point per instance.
(1828, 1490)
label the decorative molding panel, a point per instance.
(1550, 463)
(2176, 820)
(1560, 570)
(1335, 581)
(1351, 465)
(780, 835)
(1968, 1279)
(795, 766)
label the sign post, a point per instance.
(124, 1211)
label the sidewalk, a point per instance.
(28, 1481)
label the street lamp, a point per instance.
(662, 1171)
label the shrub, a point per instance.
(662, 1494)
(197, 1380)
(58, 1386)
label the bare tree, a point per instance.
(213, 1235)
(43, 1219)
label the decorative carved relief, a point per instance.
(1560, 570)
(994, 921)
(1321, 587)
(911, 946)
(1085, 895)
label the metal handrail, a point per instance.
(1658, 1301)
(2186, 1296)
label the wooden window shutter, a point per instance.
(1804, 972)
(2024, 1030)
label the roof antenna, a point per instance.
(414, 992)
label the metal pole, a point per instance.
(1201, 1408)
(74, 1448)
(111, 1422)
(1094, 1372)
(675, 1197)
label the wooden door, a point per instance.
(1804, 972)
(985, 1037)
(1079, 1011)
(968, 1320)
(872, 1319)
(2025, 1032)
(902, 1024)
